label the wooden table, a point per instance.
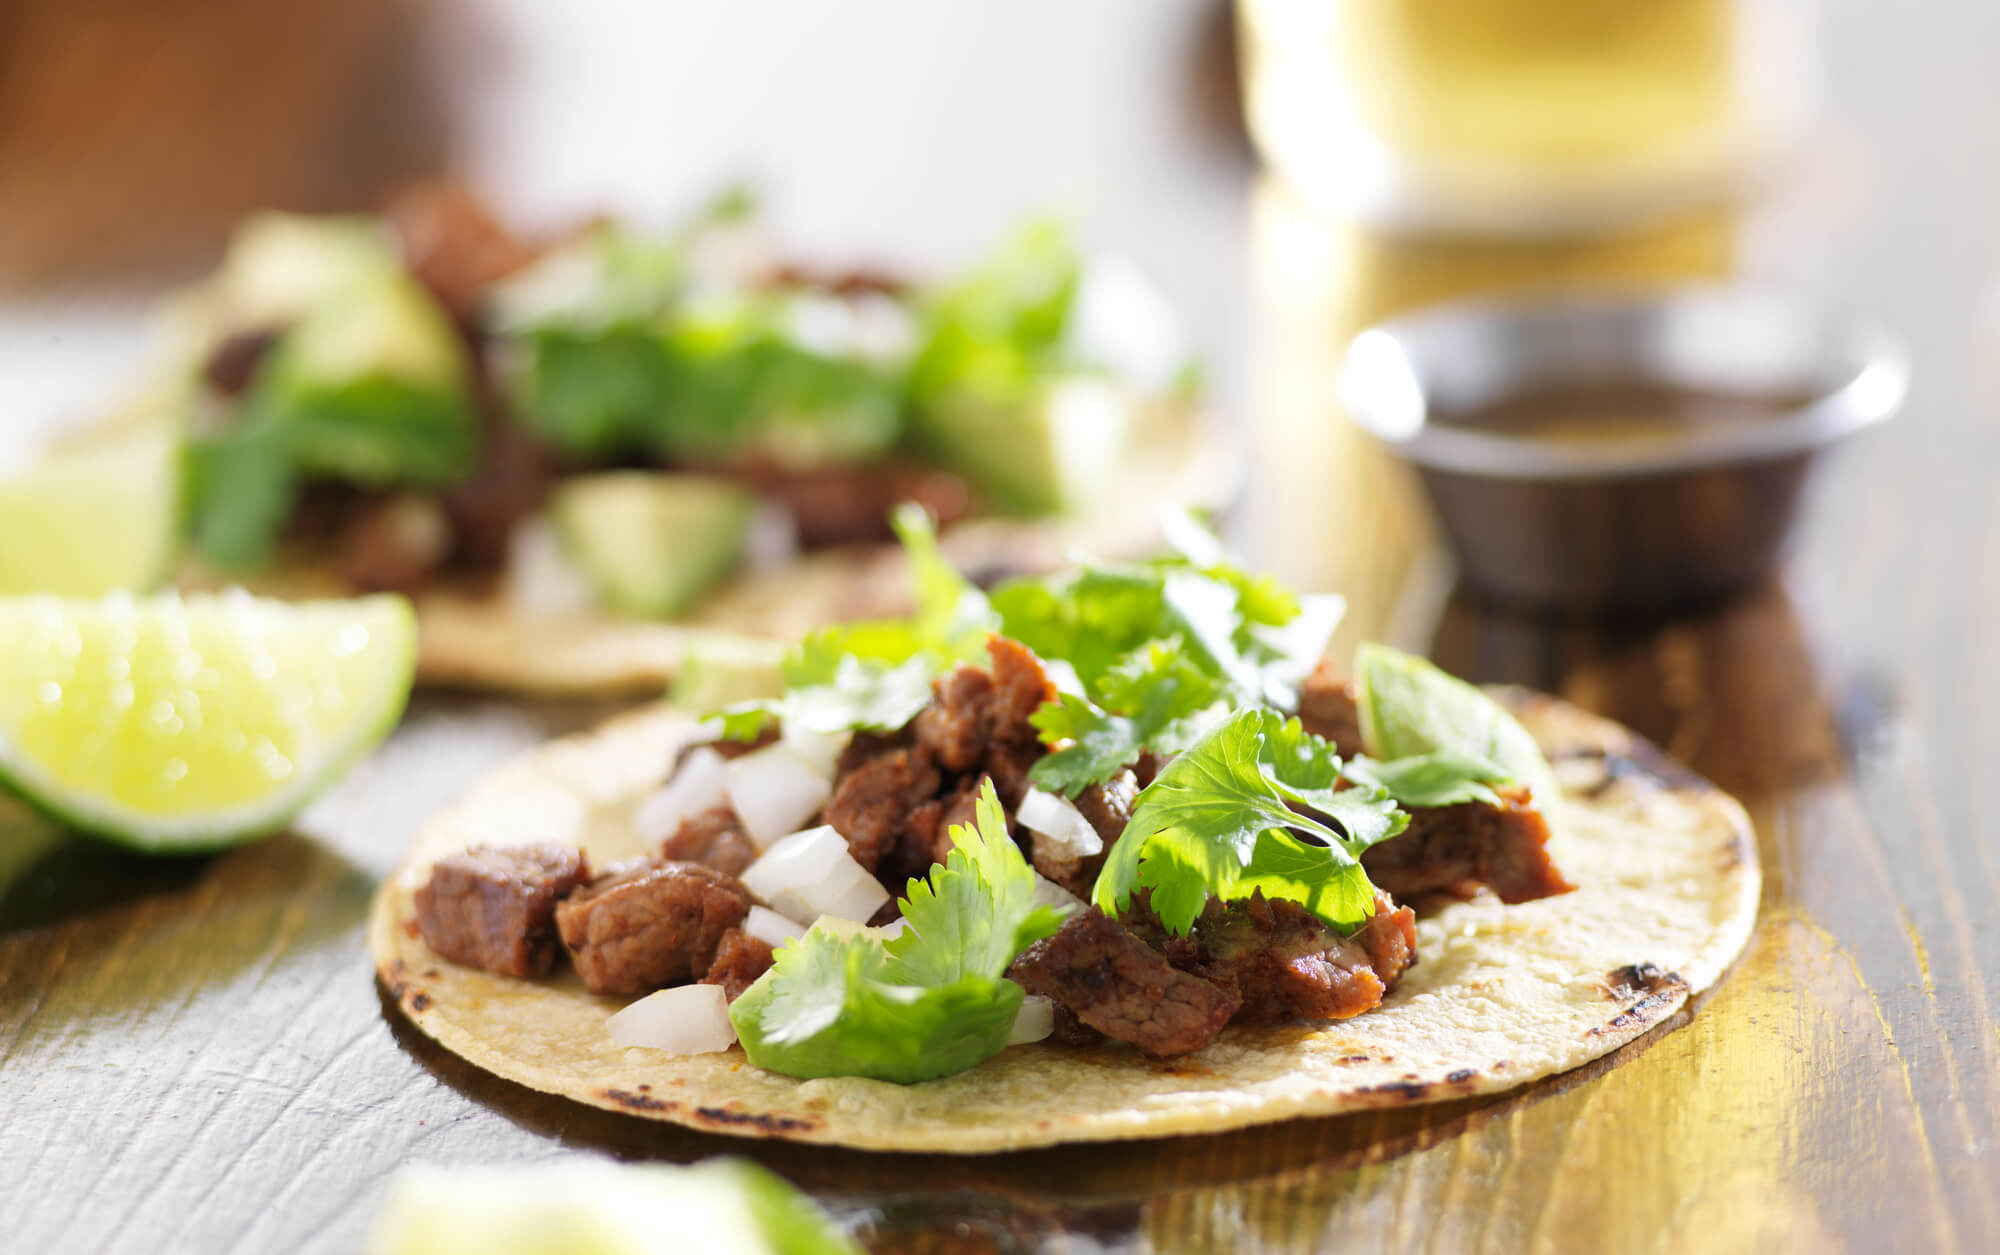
(194, 1056)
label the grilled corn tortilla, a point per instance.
(1500, 995)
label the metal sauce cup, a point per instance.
(1692, 509)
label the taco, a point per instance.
(1110, 854)
(585, 456)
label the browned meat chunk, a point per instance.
(1108, 807)
(714, 839)
(767, 735)
(1327, 708)
(232, 365)
(649, 926)
(838, 505)
(1455, 849)
(957, 727)
(872, 803)
(1286, 964)
(1117, 984)
(1070, 1031)
(896, 797)
(394, 545)
(453, 245)
(927, 831)
(511, 482)
(495, 908)
(739, 960)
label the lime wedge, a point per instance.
(93, 518)
(172, 724)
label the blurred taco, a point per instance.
(582, 455)
(1107, 854)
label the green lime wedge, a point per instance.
(92, 518)
(170, 724)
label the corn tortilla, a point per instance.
(1500, 995)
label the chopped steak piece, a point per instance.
(927, 831)
(838, 505)
(513, 478)
(232, 365)
(495, 908)
(896, 797)
(1288, 965)
(1327, 708)
(394, 545)
(975, 714)
(650, 926)
(452, 245)
(729, 749)
(851, 281)
(714, 839)
(1108, 807)
(956, 728)
(1120, 986)
(1021, 686)
(1070, 1031)
(1455, 849)
(739, 960)
(871, 804)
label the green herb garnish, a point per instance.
(1221, 820)
(933, 1000)
(1410, 708)
(877, 674)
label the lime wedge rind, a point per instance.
(79, 770)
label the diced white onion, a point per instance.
(1057, 819)
(1035, 1020)
(810, 874)
(1049, 893)
(821, 749)
(541, 580)
(694, 788)
(891, 930)
(773, 539)
(774, 790)
(848, 893)
(687, 1020)
(799, 858)
(771, 928)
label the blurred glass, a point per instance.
(1512, 117)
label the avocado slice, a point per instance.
(1041, 453)
(372, 386)
(651, 543)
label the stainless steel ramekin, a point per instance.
(1609, 525)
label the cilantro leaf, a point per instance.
(1156, 646)
(877, 673)
(1410, 707)
(1306, 770)
(975, 912)
(1219, 820)
(932, 1001)
(1440, 778)
(1158, 683)
(242, 486)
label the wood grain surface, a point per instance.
(194, 1056)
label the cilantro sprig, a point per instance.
(929, 1002)
(877, 674)
(1163, 650)
(1223, 819)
